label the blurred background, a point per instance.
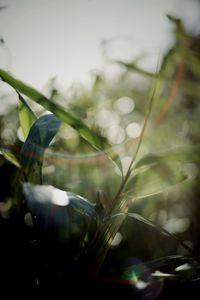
(71, 39)
(101, 60)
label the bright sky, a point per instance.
(63, 38)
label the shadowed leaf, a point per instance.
(60, 211)
(41, 134)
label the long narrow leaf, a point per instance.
(12, 153)
(155, 173)
(90, 136)
(10, 156)
(155, 226)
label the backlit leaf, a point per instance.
(26, 116)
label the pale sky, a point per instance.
(63, 38)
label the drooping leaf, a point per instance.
(26, 116)
(159, 228)
(41, 134)
(89, 135)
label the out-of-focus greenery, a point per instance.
(164, 185)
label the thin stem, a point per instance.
(128, 173)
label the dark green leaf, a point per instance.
(159, 228)
(39, 138)
(153, 225)
(62, 211)
(90, 136)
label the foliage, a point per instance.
(64, 153)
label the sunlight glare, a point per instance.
(125, 105)
(133, 130)
(59, 197)
(116, 134)
(106, 118)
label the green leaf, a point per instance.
(90, 136)
(155, 173)
(39, 138)
(12, 153)
(10, 156)
(149, 223)
(26, 116)
(159, 228)
(181, 155)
